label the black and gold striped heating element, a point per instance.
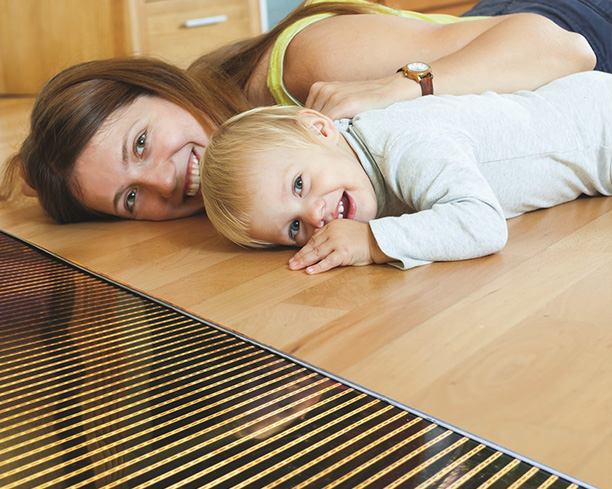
(101, 386)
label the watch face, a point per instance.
(418, 66)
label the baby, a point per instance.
(432, 179)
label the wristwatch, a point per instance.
(420, 73)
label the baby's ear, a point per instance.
(319, 124)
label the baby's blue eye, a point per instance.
(130, 200)
(297, 186)
(294, 229)
(139, 146)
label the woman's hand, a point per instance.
(341, 242)
(339, 100)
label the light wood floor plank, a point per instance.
(514, 347)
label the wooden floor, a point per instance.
(515, 347)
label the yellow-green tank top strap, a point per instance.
(275, 69)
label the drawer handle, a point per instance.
(216, 19)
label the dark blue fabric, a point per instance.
(591, 18)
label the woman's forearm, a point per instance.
(502, 54)
(523, 51)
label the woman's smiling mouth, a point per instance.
(192, 180)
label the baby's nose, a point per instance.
(316, 214)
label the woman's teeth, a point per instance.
(193, 176)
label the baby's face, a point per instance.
(298, 191)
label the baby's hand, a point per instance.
(341, 242)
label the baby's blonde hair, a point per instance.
(232, 158)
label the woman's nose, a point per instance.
(160, 177)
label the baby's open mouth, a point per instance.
(193, 176)
(344, 208)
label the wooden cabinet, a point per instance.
(38, 38)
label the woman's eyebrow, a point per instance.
(124, 164)
(116, 200)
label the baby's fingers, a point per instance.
(312, 252)
(332, 260)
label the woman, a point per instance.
(102, 142)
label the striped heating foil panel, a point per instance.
(101, 386)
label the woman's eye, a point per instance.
(139, 146)
(294, 229)
(130, 200)
(297, 186)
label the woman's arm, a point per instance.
(363, 53)
(523, 51)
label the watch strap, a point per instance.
(425, 81)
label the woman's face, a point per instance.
(143, 163)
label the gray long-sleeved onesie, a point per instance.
(449, 170)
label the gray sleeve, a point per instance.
(455, 216)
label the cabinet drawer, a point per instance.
(182, 30)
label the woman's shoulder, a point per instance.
(335, 49)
